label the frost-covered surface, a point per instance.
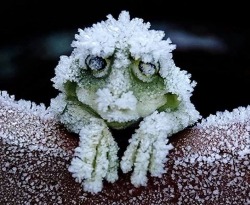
(210, 163)
(31, 141)
(120, 73)
(26, 124)
(216, 160)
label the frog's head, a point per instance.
(121, 71)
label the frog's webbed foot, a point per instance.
(145, 153)
(95, 158)
(148, 147)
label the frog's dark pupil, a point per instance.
(147, 68)
(96, 63)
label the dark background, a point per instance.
(212, 44)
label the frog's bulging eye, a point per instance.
(145, 71)
(95, 63)
(148, 69)
(98, 65)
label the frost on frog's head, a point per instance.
(121, 70)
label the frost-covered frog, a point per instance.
(120, 73)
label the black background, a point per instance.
(222, 73)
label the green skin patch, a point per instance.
(150, 95)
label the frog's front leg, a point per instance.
(148, 147)
(95, 158)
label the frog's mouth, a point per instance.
(121, 110)
(116, 108)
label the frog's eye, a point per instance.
(145, 71)
(97, 65)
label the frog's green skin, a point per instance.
(119, 73)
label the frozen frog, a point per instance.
(121, 72)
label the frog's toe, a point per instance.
(158, 157)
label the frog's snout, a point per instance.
(107, 101)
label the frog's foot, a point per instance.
(96, 158)
(146, 152)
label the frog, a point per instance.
(121, 73)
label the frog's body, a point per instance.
(119, 73)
